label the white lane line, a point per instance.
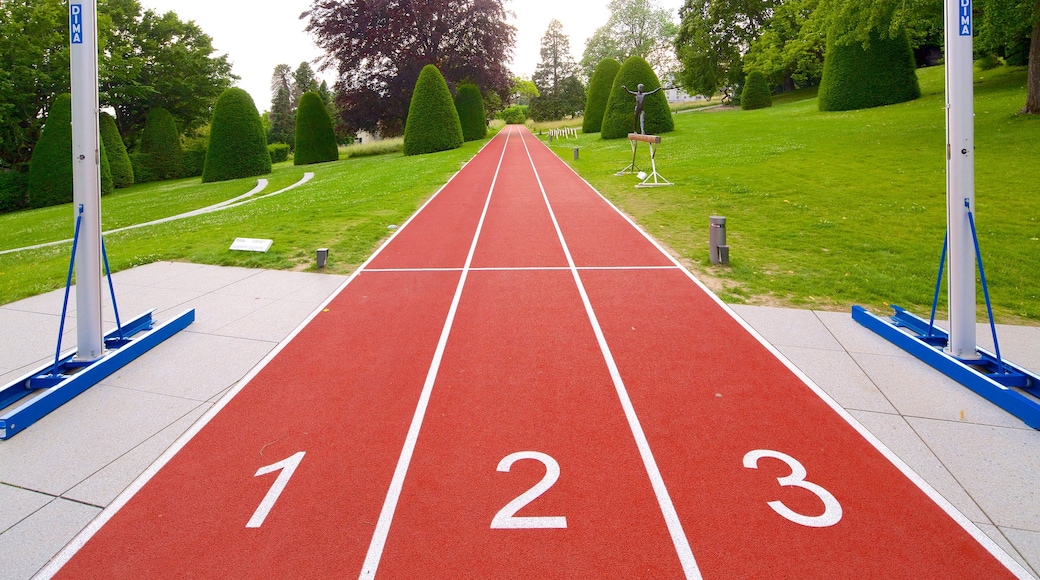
(386, 515)
(522, 269)
(671, 518)
(127, 494)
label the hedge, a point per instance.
(13, 189)
(755, 93)
(599, 92)
(618, 118)
(279, 152)
(855, 77)
(433, 123)
(118, 159)
(237, 144)
(315, 138)
(514, 115)
(470, 106)
(50, 168)
(161, 142)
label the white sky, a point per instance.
(258, 37)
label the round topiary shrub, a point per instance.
(755, 94)
(161, 142)
(433, 123)
(315, 138)
(855, 77)
(50, 168)
(118, 159)
(279, 152)
(618, 118)
(106, 170)
(470, 106)
(599, 92)
(237, 143)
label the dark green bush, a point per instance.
(855, 77)
(118, 160)
(194, 160)
(14, 186)
(50, 169)
(142, 165)
(514, 115)
(618, 118)
(315, 138)
(237, 143)
(755, 93)
(279, 152)
(433, 123)
(599, 92)
(162, 143)
(470, 105)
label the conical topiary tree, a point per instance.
(161, 145)
(599, 92)
(237, 144)
(470, 106)
(618, 118)
(858, 77)
(433, 123)
(50, 168)
(315, 138)
(756, 92)
(118, 159)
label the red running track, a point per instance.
(521, 384)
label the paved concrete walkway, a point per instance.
(56, 476)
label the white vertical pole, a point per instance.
(960, 176)
(86, 176)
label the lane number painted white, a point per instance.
(506, 517)
(287, 467)
(832, 509)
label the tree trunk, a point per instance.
(1033, 79)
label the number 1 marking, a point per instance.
(287, 466)
(832, 509)
(506, 517)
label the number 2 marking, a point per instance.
(287, 466)
(832, 509)
(506, 517)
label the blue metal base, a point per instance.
(1010, 387)
(69, 377)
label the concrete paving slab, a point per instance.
(787, 327)
(136, 300)
(103, 487)
(191, 365)
(273, 284)
(84, 435)
(917, 390)
(1018, 344)
(1027, 543)
(28, 546)
(272, 323)
(16, 504)
(205, 278)
(997, 535)
(214, 311)
(320, 287)
(854, 337)
(153, 274)
(838, 374)
(34, 334)
(900, 437)
(996, 466)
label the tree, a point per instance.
(304, 79)
(282, 117)
(315, 140)
(618, 118)
(237, 145)
(161, 145)
(470, 106)
(1011, 29)
(790, 50)
(555, 76)
(145, 61)
(634, 28)
(433, 123)
(379, 48)
(523, 90)
(599, 91)
(756, 94)
(713, 37)
(862, 75)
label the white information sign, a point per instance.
(251, 245)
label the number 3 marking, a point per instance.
(506, 518)
(832, 509)
(287, 466)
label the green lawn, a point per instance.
(346, 208)
(825, 210)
